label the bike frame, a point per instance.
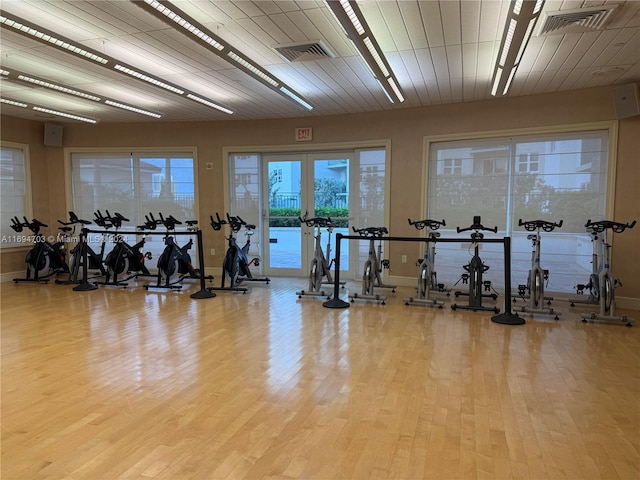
(537, 275)
(475, 269)
(606, 282)
(427, 279)
(373, 266)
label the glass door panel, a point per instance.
(283, 203)
(331, 199)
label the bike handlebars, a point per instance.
(531, 225)
(602, 225)
(430, 224)
(371, 231)
(477, 226)
(34, 225)
(317, 221)
(73, 219)
(235, 222)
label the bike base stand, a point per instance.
(427, 302)
(541, 311)
(307, 293)
(614, 319)
(381, 299)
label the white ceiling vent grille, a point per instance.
(575, 21)
(302, 52)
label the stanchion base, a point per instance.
(508, 319)
(336, 303)
(203, 294)
(85, 287)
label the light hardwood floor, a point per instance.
(116, 383)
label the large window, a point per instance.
(550, 177)
(15, 194)
(134, 185)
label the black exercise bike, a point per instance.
(45, 258)
(82, 251)
(174, 263)
(235, 266)
(123, 259)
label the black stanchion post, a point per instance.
(336, 302)
(84, 285)
(507, 318)
(203, 293)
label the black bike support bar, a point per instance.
(86, 285)
(506, 318)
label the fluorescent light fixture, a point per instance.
(65, 114)
(146, 78)
(295, 97)
(208, 103)
(4, 73)
(521, 20)
(169, 13)
(253, 69)
(47, 37)
(131, 108)
(352, 16)
(15, 103)
(59, 88)
(349, 16)
(190, 27)
(41, 82)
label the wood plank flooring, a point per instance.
(129, 383)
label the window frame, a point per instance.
(28, 200)
(609, 195)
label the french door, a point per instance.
(317, 184)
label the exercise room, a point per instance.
(320, 239)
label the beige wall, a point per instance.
(406, 128)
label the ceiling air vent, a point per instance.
(575, 21)
(302, 52)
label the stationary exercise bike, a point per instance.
(602, 283)
(174, 263)
(321, 263)
(427, 277)
(45, 258)
(82, 250)
(236, 264)
(123, 258)
(534, 287)
(475, 269)
(373, 266)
